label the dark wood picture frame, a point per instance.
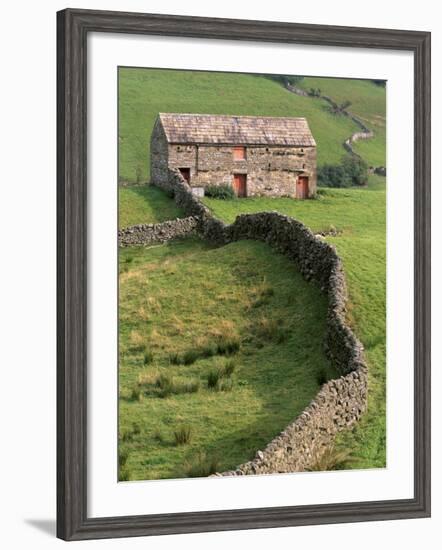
(73, 27)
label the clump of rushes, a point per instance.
(262, 294)
(168, 386)
(192, 386)
(123, 455)
(225, 384)
(213, 378)
(270, 330)
(148, 357)
(228, 345)
(136, 394)
(332, 459)
(183, 434)
(201, 466)
(229, 368)
(175, 359)
(190, 356)
(220, 378)
(124, 474)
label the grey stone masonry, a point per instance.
(277, 153)
(148, 233)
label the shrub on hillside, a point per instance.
(333, 175)
(223, 192)
(351, 171)
(356, 169)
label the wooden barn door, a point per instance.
(240, 185)
(302, 187)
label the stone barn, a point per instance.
(271, 156)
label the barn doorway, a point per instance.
(240, 185)
(302, 187)
(185, 172)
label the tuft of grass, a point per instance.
(269, 330)
(332, 459)
(167, 386)
(136, 393)
(220, 378)
(158, 436)
(225, 384)
(229, 368)
(202, 466)
(261, 294)
(183, 434)
(137, 342)
(228, 345)
(124, 474)
(213, 378)
(123, 455)
(175, 358)
(148, 357)
(190, 356)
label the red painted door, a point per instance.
(240, 185)
(302, 187)
(185, 172)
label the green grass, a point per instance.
(368, 102)
(186, 296)
(143, 93)
(360, 214)
(144, 204)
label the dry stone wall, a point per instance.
(340, 402)
(150, 233)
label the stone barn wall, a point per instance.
(271, 171)
(341, 402)
(159, 156)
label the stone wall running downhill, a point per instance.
(340, 402)
(365, 132)
(149, 233)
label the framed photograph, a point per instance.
(243, 274)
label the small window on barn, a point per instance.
(239, 153)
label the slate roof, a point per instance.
(236, 130)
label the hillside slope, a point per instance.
(143, 93)
(368, 102)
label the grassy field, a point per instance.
(144, 204)
(220, 348)
(197, 391)
(360, 214)
(143, 93)
(368, 102)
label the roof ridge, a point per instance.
(234, 116)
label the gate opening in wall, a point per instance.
(185, 172)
